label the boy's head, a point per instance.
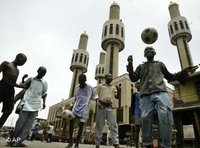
(82, 79)
(149, 52)
(108, 78)
(20, 59)
(41, 72)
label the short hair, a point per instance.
(42, 68)
(21, 55)
(149, 47)
(82, 77)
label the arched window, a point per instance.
(111, 29)
(176, 26)
(105, 31)
(85, 59)
(99, 70)
(76, 58)
(186, 24)
(181, 24)
(117, 29)
(122, 32)
(171, 29)
(81, 58)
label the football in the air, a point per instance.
(67, 114)
(149, 35)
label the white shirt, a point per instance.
(33, 95)
(83, 96)
(106, 93)
(50, 129)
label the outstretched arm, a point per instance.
(26, 83)
(179, 75)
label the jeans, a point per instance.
(110, 115)
(159, 101)
(24, 125)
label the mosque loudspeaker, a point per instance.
(149, 35)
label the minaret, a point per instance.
(113, 39)
(100, 68)
(180, 35)
(79, 62)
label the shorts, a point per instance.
(7, 93)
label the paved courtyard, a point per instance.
(39, 144)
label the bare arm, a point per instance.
(179, 75)
(3, 66)
(132, 74)
(24, 77)
(23, 81)
(19, 86)
(44, 101)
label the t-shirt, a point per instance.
(106, 93)
(33, 96)
(50, 129)
(82, 99)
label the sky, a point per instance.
(47, 32)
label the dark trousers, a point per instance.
(49, 138)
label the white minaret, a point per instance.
(180, 35)
(113, 39)
(100, 68)
(79, 62)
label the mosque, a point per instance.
(185, 97)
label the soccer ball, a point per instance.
(67, 114)
(149, 35)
